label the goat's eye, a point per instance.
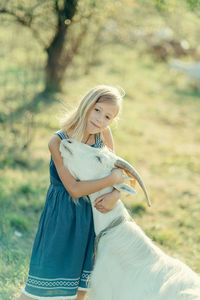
(99, 158)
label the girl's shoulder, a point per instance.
(54, 142)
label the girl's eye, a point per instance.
(107, 117)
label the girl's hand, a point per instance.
(106, 202)
(117, 176)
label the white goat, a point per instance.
(128, 265)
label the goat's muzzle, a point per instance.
(120, 163)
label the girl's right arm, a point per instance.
(78, 189)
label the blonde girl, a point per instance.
(61, 260)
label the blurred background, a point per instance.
(51, 53)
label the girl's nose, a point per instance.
(99, 120)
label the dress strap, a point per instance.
(61, 134)
(98, 141)
(95, 138)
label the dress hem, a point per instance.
(48, 298)
(83, 289)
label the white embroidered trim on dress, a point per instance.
(56, 277)
(54, 283)
(49, 298)
(85, 276)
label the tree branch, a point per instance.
(26, 23)
(37, 37)
(18, 18)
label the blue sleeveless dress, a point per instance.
(62, 254)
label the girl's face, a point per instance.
(101, 115)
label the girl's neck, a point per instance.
(88, 138)
(85, 140)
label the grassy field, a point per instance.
(158, 132)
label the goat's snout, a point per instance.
(69, 141)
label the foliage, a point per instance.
(194, 5)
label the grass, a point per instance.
(158, 133)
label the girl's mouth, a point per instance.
(95, 125)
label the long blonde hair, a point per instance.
(75, 121)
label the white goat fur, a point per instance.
(128, 265)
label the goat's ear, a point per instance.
(122, 187)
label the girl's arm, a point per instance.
(77, 189)
(106, 202)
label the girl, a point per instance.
(61, 260)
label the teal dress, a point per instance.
(62, 255)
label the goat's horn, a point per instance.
(120, 163)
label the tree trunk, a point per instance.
(53, 67)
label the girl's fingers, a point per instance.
(98, 204)
(100, 207)
(98, 200)
(102, 210)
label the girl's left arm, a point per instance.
(106, 202)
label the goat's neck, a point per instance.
(143, 246)
(101, 220)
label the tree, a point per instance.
(50, 22)
(60, 26)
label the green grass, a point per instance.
(158, 133)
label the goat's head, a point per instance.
(87, 163)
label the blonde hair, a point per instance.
(75, 121)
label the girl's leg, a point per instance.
(24, 297)
(81, 295)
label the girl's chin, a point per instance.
(93, 130)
